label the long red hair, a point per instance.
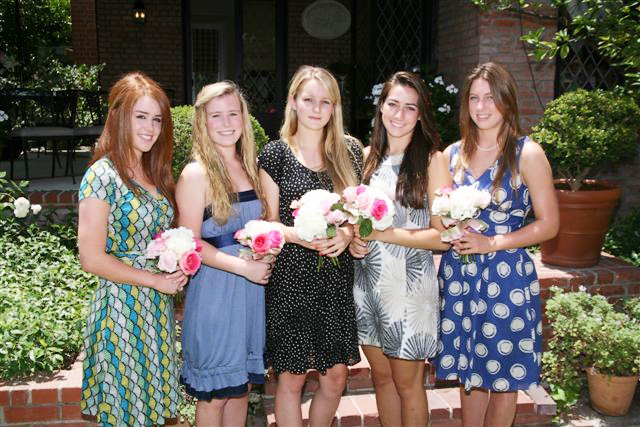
(116, 140)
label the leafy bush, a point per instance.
(623, 238)
(583, 131)
(43, 290)
(587, 332)
(182, 122)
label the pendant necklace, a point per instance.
(486, 149)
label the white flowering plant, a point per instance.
(12, 198)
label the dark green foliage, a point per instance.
(585, 131)
(623, 238)
(182, 121)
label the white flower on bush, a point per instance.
(21, 207)
(445, 108)
(452, 89)
(179, 240)
(35, 209)
(439, 80)
(3, 116)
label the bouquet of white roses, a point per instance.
(317, 214)
(176, 248)
(369, 207)
(458, 209)
(265, 240)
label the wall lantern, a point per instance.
(139, 12)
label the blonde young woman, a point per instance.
(396, 289)
(310, 313)
(223, 327)
(491, 328)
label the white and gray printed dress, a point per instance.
(396, 287)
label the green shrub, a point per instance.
(586, 131)
(623, 238)
(182, 122)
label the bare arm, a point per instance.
(536, 174)
(93, 215)
(191, 199)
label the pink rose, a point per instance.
(335, 217)
(295, 212)
(325, 206)
(443, 191)
(260, 244)
(361, 189)
(379, 209)
(275, 238)
(156, 247)
(363, 200)
(349, 194)
(190, 262)
(198, 245)
(240, 235)
(168, 262)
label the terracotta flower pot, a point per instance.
(584, 221)
(611, 395)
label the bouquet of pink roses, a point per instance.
(369, 207)
(265, 240)
(458, 209)
(317, 215)
(176, 248)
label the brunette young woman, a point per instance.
(130, 372)
(396, 287)
(218, 193)
(491, 330)
(310, 311)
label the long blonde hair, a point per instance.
(505, 96)
(220, 192)
(335, 150)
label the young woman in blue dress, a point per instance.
(491, 329)
(126, 197)
(223, 329)
(396, 286)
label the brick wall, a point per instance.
(154, 47)
(83, 32)
(468, 36)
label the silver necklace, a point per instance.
(486, 149)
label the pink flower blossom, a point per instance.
(168, 261)
(363, 200)
(336, 217)
(379, 209)
(349, 194)
(260, 244)
(190, 262)
(156, 247)
(361, 189)
(276, 239)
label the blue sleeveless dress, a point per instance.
(223, 331)
(491, 329)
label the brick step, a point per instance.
(535, 407)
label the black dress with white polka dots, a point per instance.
(310, 314)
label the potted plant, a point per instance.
(583, 133)
(590, 335)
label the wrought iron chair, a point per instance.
(88, 125)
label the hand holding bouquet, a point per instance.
(369, 207)
(316, 216)
(458, 209)
(265, 240)
(176, 248)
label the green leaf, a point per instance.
(366, 227)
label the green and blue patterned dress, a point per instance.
(130, 372)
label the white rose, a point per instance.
(21, 203)
(309, 224)
(36, 209)
(20, 213)
(179, 240)
(441, 206)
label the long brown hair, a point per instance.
(335, 149)
(116, 140)
(412, 186)
(220, 189)
(505, 97)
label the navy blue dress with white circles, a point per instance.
(491, 330)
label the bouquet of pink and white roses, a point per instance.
(176, 248)
(265, 240)
(369, 207)
(458, 209)
(317, 214)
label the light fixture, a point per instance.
(139, 12)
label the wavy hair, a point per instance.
(220, 192)
(335, 150)
(505, 97)
(116, 140)
(413, 178)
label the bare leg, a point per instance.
(408, 377)
(474, 407)
(288, 399)
(209, 414)
(326, 399)
(502, 409)
(235, 411)
(387, 397)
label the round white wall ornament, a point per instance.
(326, 19)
